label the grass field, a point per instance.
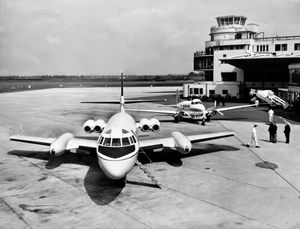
(23, 85)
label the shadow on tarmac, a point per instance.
(173, 157)
(100, 188)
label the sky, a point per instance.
(101, 37)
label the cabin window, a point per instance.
(107, 141)
(125, 141)
(116, 142)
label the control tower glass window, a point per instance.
(243, 20)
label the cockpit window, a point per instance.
(101, 140)
(196, 102)
(116, 142)
(125, 141)
(133, 140)
(106, 141)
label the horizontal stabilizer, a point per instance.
(127, 101)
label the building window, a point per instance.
(198, 91)
(191, 91)
(209, 76)
(224, 55)
(297, 46)
(257, 48)
(238, 36)
(224, 92)
(281, 47)
(295, 76)
(229, 76)
(267, 48)
(211, 92)
(284, 47)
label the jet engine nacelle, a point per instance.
(89, 126)
(154, 124)
(149, 124)
(99, 126)
(144, 125)
(181, 142)
(58, 147)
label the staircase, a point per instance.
(269, 97)
(148, 173)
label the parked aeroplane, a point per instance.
(193, 110)
(118, 146)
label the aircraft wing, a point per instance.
(71, 143)
(235, 107)
(33, 140)
(170, 142)
(169, 112)
(80, 143)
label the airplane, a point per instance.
(118, 147)
(193, 110)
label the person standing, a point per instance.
(253, 137)
(271, 114)
(271, 131)
(274, 132)
(287, 131)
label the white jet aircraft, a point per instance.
(118, 146)
(193, 110)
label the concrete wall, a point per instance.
(219, 67)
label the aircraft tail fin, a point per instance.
(122, 101)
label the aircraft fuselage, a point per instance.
(118, 146)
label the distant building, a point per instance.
(238, 57)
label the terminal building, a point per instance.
(239, 57)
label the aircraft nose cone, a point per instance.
(116, 169)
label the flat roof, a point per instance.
(265, 63)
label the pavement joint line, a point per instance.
(215, 205)
(227, 178)
(51, 174)
(15, 212)
(220, 207)
(265, 162)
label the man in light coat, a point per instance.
(253, 137)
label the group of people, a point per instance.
(272, 131)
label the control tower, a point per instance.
(233, 27)
(239, 56)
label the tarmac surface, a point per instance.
(220, 184)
